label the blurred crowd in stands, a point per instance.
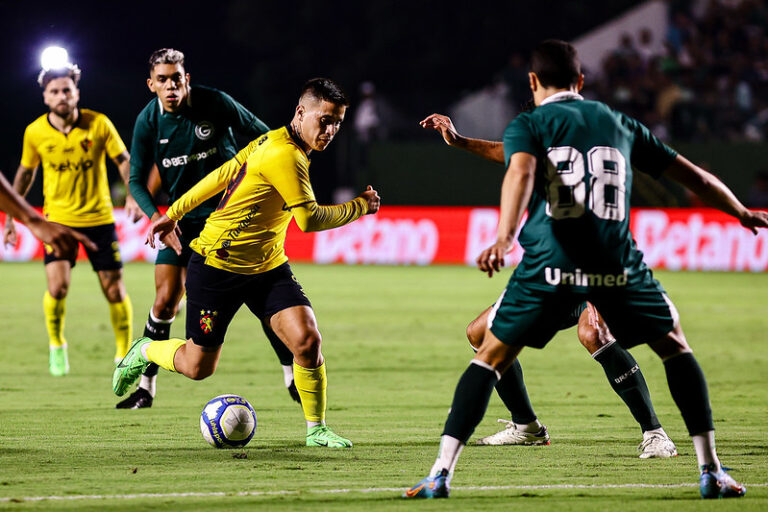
(709, 82)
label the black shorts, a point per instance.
(215, 295)
(105, 257)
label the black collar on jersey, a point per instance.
(76, 124)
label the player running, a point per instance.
(570, 163)
(187, 133)
(70, 143)
(239, 256)
(620, 367)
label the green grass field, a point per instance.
(395, 346)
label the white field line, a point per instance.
(345, 491)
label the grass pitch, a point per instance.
(395, 346)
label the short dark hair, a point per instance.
(556, 64)
(165, 56)
(325, 89)
(70, 71)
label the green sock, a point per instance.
(689, 391)
(512, 391)
(628, 382)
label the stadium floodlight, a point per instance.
(54, 57)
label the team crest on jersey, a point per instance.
(86, 144)
(208, 320)
(204, 130)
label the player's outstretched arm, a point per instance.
(516, 192)
(314, 217)
(123, 163)
(492, 150)
(62, 239)
(714, 193)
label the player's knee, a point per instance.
(307, 348)
(590, 338)
(475, 334)
(58, 290)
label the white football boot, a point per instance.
(511, 435)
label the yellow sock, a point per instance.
(121, 314)
(311, 384)
(54, 310)
(161, 352)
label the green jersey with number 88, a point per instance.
(577, 234)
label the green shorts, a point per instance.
(528, 316)
(190, 229)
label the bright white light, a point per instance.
(54, 57)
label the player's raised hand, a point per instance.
(444, 125)
(492, 259)
(168, 232)
(373, 199)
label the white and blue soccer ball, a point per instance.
(228, 421)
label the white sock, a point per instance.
(287, 374)
(450, 448)
(149, 383)
(531, 427)
(704, 444)
(311, 424)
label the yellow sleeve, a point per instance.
(112, 141)
(209, 186)
(313, 217)
(30, 158)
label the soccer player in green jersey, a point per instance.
(570, 163)
(620, 367)
(187, 132)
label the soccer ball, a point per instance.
(228, 421)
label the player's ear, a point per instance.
(580, 83)
(533, 81)
(151, 85)
(300, 111)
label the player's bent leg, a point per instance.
(285, 356)
(58, 275)
(627, 381)
(688, 387)
(525, 428)
(297, 327)
(470, 401)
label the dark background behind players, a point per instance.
(422, 57)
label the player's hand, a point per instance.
(9, 232)
(168, 232)
(754, 219)
(492, 259)
(62, 240)
(132, 209)
(372, 198)
(444, 125)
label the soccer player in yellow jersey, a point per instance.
(70, 143)
(239, 257)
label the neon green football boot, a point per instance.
(58, 363)
(130, 368)
(321, 435)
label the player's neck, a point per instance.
(295, 128)
(64, 123)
